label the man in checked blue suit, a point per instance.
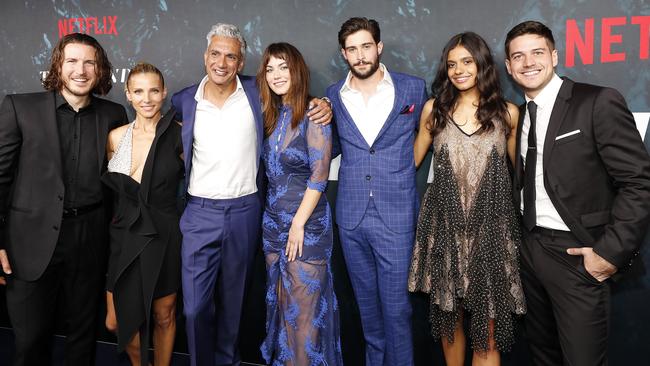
(376, 114)
(222, 142)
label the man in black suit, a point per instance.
(52, 208)
(585, 176)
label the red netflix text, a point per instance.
(583, 40)
(91, 25)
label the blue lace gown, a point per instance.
(302, 324)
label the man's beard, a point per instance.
(374, 66)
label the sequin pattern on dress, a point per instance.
(121, 160)
(468, 233)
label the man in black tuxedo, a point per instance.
(585, 177)
(53, 232)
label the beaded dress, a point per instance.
(302, 321)
(466, 249)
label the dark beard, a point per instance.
(373, 68)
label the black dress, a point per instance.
(145, 238)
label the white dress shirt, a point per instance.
(224, 151)
(370, 117)
(547, 215)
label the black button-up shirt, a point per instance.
(78, 138)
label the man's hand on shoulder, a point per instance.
(597, 266)
(320, 111)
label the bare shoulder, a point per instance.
(428, 107)
(513, 111)
(115, 136)
(118, 132)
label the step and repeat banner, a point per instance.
(601, 42)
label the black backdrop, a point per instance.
(604, 42)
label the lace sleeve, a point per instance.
(319, 143)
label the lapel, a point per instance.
(557, 117)
(188, 104)
(398, 103)
(346, 118)
(253, 96)
(161, 128)
(101, 125)
(48, 114)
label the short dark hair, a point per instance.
(529, 27)
(356, 24)
(103, 67)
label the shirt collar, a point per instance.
(546, 98)
(198, 96)
(59, 101)
(385, 81)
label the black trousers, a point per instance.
(74, 279)
(568, 310)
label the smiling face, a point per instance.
(278, 76)
(78, 70)
(362, 54)
(531, 63)
(146, 93)
(223, 60)
(461, 68)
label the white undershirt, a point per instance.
(547, 215)
(369, 118)
(224, 151)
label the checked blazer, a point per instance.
(386, 168)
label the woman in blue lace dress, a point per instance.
(302, 313)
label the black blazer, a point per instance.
(598, 178)
(31, 181)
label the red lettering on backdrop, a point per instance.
(574, 40)
(89, 25)
(607, 39)
(583, 40)
(63, 29)
(644, 35)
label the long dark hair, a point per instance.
(102, 66)
(491, 105)
(298, 94)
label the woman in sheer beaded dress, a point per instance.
(466, 250)
(144, 172)
(302, 313)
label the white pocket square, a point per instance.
(567, 135)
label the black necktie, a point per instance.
(530, 216)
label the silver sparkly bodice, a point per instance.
(121, 160)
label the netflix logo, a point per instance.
(582, 40)
(90, 25)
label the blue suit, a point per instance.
(377, 232)
(220, 238)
